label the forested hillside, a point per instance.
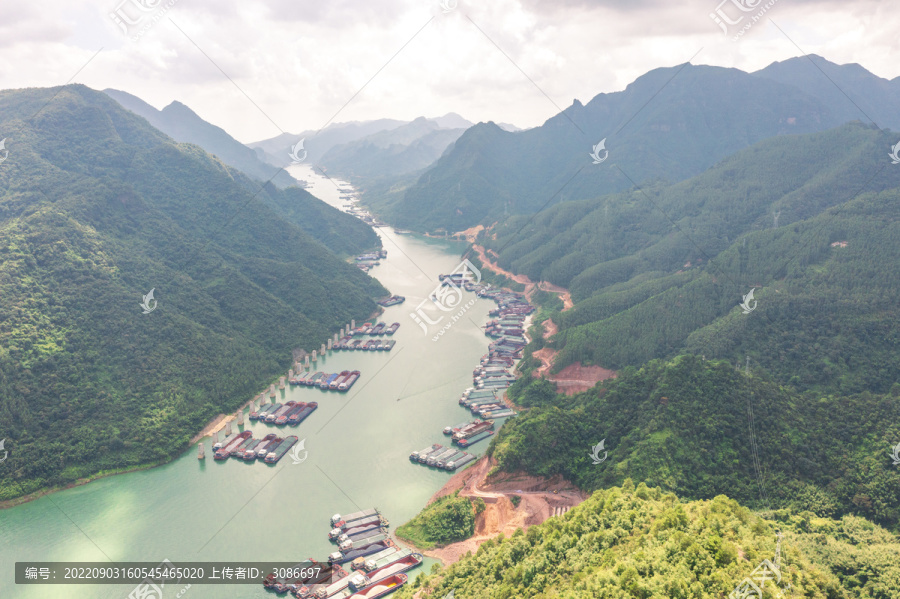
(668, 125)
(662, 270)
(96, 209)
(627, 542)
(686, 426)
(182, 124)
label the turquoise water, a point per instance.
(358, 444)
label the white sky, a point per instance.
(302, 61)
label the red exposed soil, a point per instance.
(538, 502)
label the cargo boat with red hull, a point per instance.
(402, 564)
(276, 454)
(249, 451)
(348, 382)
(381, 588)
(333, 385)
(272, 417)
(392, 329)
(225, 451)
(239, 450)
(283, 418)
(301, 415)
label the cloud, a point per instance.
(260, 68)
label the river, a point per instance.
(358, 445)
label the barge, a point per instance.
(474, 430)
(391, 301)
(392, 329)
(414, 456)
(423, 458)
(452, 457)
(381, 588)
(339, 557)
(460, 462)
(348, 382)
(301, 415)
(473, 440)
(360, 563)
(283, 447)
(225, 451)
(338, 520)
(270, 442)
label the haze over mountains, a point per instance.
(354, 140)
(669, 124)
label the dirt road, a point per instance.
(538, 502)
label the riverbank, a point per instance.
(10, 503)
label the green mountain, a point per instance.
(640, 542)
(392, 153)
(182, 124)
(670, 124)
(660, 271)
(686, 426)
(96, 209)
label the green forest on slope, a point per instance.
(645, 288)
(639, 542)
(96, 209)
(685, 425)
(447, 519)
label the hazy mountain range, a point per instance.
(669, 124)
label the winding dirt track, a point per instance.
(538, 502)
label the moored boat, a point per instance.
(348, 382)
(276, 454)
